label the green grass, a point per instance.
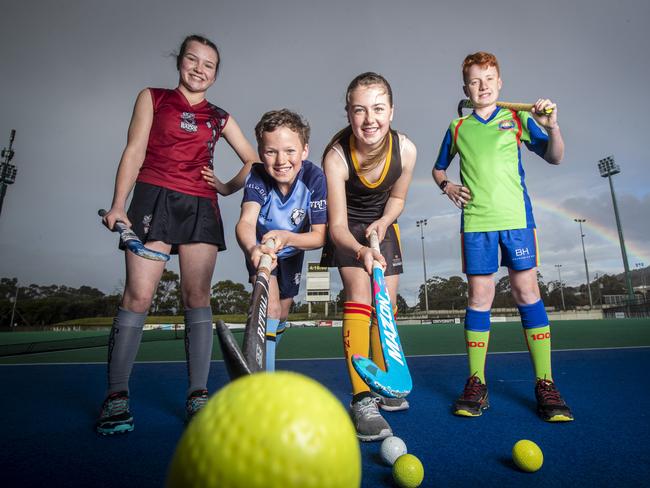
(167, 319)
(312, 342)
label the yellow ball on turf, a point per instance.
(527, 456)
(408, 471)
(269, 430)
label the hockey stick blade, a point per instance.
(232, 355)
(396, 381)
(254, 347)
(131, 241)
(524, 107)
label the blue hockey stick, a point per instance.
(133, 243)
(396, 381)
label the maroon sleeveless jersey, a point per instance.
(181, 142)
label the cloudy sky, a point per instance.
(71, 70)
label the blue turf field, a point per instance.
(49, 410)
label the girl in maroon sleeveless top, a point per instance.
(170, 146)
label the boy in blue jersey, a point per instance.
(497, 214)
(285, 199)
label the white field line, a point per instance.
(339, 358)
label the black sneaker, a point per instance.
(195, 402)
(550, 405)
(115, 417)
(367, 420)
(473, 400)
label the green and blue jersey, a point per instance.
(490, 166)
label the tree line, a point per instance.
(451, 293)
(50, 304)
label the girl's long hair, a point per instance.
(376, 157)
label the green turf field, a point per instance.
(325, 342)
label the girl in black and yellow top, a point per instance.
(368, 168)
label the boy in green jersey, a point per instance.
(497, 214)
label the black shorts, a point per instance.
(160, 214)
(390, 248)
(288, 273)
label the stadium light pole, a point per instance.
(584, 255)
(421, 224)
(608, 167)
(7, 170)
(640, 266)
(559, 274)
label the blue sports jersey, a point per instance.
(304, 205)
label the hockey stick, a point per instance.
(396, 381)
(254, 347)
(232, 355)
(517, 107)
(131, 241)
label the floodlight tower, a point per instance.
(421, 224)
(584, 255)
(7, 170)
(608, 167)
(559, 274)
(640, 266)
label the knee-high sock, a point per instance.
(538, 337)
(198, 346)
(356, 339)
(477, 337)
(123, 344)
(271, 342)
(375, 341)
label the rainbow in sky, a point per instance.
(634, 251)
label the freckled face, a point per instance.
(482, 85)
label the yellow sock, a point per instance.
(477, 346)
(356, 339)
(539, 345)
(375, 341)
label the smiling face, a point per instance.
(198, 67)
(370, 113)
(282, 153)
(482, 85)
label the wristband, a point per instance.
(443, 184)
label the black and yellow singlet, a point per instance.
(365, 200)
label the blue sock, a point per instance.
(271, 340)
(282, 326)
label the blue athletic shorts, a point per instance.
(288, 273)
(480, 250)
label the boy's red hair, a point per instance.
(481, 58)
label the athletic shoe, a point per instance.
(368, 422)
(195, 402)
(391, 404)
(115, 417)
(550, 405)
(473, 400)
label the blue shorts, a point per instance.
(480, 250)
(288, 273)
